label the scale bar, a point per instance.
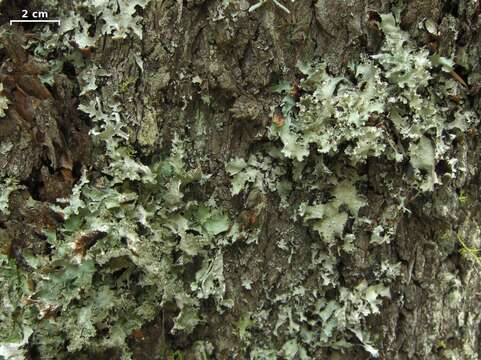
(34, 21)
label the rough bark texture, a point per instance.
(210, 80)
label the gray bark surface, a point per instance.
(189, 57)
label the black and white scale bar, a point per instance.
(34, 21)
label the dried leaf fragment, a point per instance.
(278, 118)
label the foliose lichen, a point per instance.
(396, 106)
(131, 234)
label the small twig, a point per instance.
(458, 78)
(471, 251)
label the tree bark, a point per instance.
(204, 73)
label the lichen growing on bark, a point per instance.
(283, 254)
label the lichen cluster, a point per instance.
(396, 106)
(140, 237)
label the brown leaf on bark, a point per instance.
(278, 118)
(85, 242)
